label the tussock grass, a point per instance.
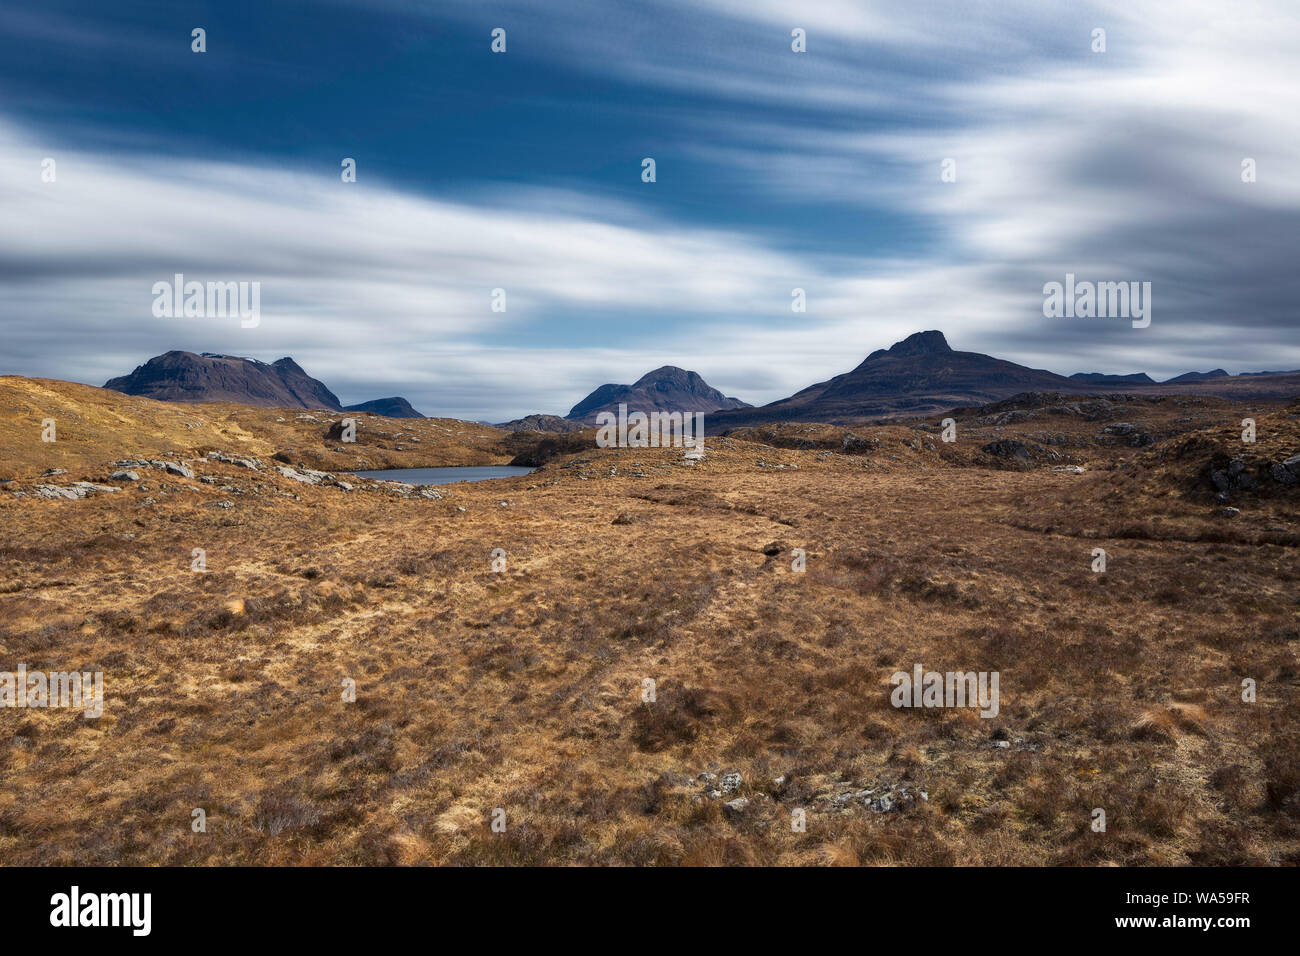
(523, 690)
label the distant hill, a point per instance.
(98, 426)
(394, 407)
(1101, 378)
(541, 423)
(207, 377)
(1195, 377)
(666, 389)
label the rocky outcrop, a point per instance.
(1019, 455)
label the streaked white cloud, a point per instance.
(371, 289)
(1118, 166)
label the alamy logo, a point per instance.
(103, 909)
(656, 430)
(56, 689)
(1101, 300)
(211, 300)
(952, 689)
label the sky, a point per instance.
(522, 171)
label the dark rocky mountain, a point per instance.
(187, 377)
(922, 375)
(666, 389)
(207, 377)
(394, 407)
(918, 375)
(1101, 378)
(1195, 377)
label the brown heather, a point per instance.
(522, 690)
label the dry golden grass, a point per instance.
(94, 426)
(522, 690)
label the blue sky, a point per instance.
(521, 171)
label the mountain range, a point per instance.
(920, 375)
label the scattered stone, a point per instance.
(54, 471)
(736, 807)
(307, 476)
(857, 445)
(54, 491)
(730, 782)
(1133, 435)
(250, 463)
(1070, 469)
(1234, 477)
(124, 475)
(879, 799)
(179, 468)
(1228, 512)
(87, 487)
(1008, 448)
(75, 492)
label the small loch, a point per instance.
(446, 476)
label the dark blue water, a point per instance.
(446, 476)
